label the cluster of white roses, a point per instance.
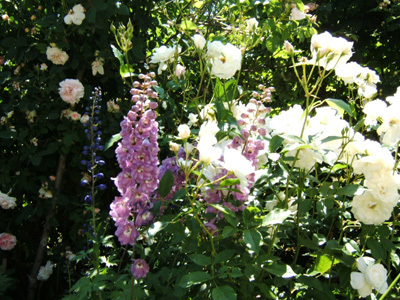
(330, 53)
(223, 60)
(371, 276)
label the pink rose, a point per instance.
(71, 90)
(7, 241)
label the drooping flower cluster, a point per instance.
(76, 15)
(137, 156)
(7, 241)
(45, 271)
(71, 91)
(7, 202)
(371, 276)
(56, 55)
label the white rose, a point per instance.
(163, 56)
(376, 276)
(370, 209)
(76, 15)
(227, 62)
(56, 55)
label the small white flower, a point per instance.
(192, 119)
(199, 41)
(76, 15)
(183, 131)
(98, 66)
(251, 24)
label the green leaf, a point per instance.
(166, 183)
(252, 238)
(340, 106)
(224, 292)
(194, 278)
(118, 54)
(377, 251)
(126, 71)
(277, 216)
(229, 182)
(200, 259)
(223, 256)
(188, 25)
(275, 143)
(115, 138)
(228, 231)
(227, 213)
(323, 263)
(281, 270)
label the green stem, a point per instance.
(390, 287)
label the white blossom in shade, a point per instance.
(98, 66)
(71, 91)
(199, 41)
(7, 202)
(328, 51)
(56, 55)
(85, 118)
(45, 271)
(371, 276)
(183, 131)
(163, 56)
(225, 60)
(235, 162)
(369, 208)
(76, 15)
(373, 110)
(251, 24)
(389, 130)
(43, 67)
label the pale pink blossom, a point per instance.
(56, 56)
(76, 15)
(71, 91)
(7, 241)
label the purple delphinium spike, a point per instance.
(137, 156)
